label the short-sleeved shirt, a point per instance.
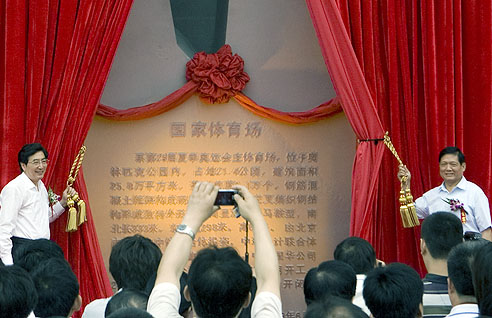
(473, 198)
(464, 311)
(165, 298)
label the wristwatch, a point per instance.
(185, 229)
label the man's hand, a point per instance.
(247, 204)
(69, 191)
(200, 205)
(404, 172)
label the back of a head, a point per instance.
(334, 307)
(356, 252)
(330, 278)
(482, 278)
(219, 281)
(130, 313)
(460, 260)
(127, 298)
(57, 287)
(133, 261)
(18, 295)
(441, 231)
(32, 253)
(393, 291)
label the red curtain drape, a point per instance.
(174, 99)
(55, 58)
(427, 66)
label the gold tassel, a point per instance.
(82, 213)
(412, 211)
(408, 212)
(72, 216)
(72, 222)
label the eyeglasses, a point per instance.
(37, 162)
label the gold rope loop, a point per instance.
(407, 207)
(72, 222)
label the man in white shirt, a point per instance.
(455, 195)
(26, 211)
(460, 281)
(218, 280)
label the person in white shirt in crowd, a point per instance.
(133, 264)
(460, 281)
(360, 255)
(219, 280)
(25, 209)
(456, 195)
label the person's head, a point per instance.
(33, 160)
(29, 254)
(130, 313)
(460, 281)
(134, 261)
(330, 278)
(219, 281)
(440, 232)
(18, 295)
(451, 164)
(127, 297)
(395, 290)
(356, 252)
(482, 277)
(334, 307)
(57, 288)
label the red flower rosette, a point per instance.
(219, 76)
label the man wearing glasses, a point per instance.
(25, 209)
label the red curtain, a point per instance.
(173, 100)
(427, 65)
(55, 58)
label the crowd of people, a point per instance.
(37, 281)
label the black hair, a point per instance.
(28, 150)
(18, 295)
(482, 278)
(127, 297)
(330, 278)
(134, 261)
(453, 151)
(392, 291)
(441, 231)
(219, 281)
(184, 304)
(57, 288)
(32, 252)
(356, 252)
(459, 266)
(130, 313)
(334, 307)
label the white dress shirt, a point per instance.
(474, 200)
(25, 212)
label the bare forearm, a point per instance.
(266, 261)
(174, 259)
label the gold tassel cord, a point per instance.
(73, 222)
(407, 207)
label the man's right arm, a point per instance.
(266, 262)
(11, 202)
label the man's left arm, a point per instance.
(482, 215)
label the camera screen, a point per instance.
(225, 197)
